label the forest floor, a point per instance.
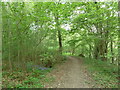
(71, 74)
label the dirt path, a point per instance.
(71, 74)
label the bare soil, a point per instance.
(71, 74)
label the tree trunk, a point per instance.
(111, 46)
(60, 41)
(96, 52)
(119, 39)
(101, 47)
(90, 50)
(9, 40)
(59, 33)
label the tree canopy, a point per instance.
(44, 32)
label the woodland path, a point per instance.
(71, 74)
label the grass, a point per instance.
(104, 73)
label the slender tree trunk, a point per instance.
(106, 49)
(111, 46)
(60, 41)
(59, 33)
(73, 50)
(96, 51)
(1, 29)
(106, 32)
(119, 33)
(101, 47)
(9, 40)
(90, 50)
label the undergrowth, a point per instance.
(34, 76)
(18, 79)
(104, 73)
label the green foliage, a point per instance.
(104, 73)
(31, 79)
(32, 33)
